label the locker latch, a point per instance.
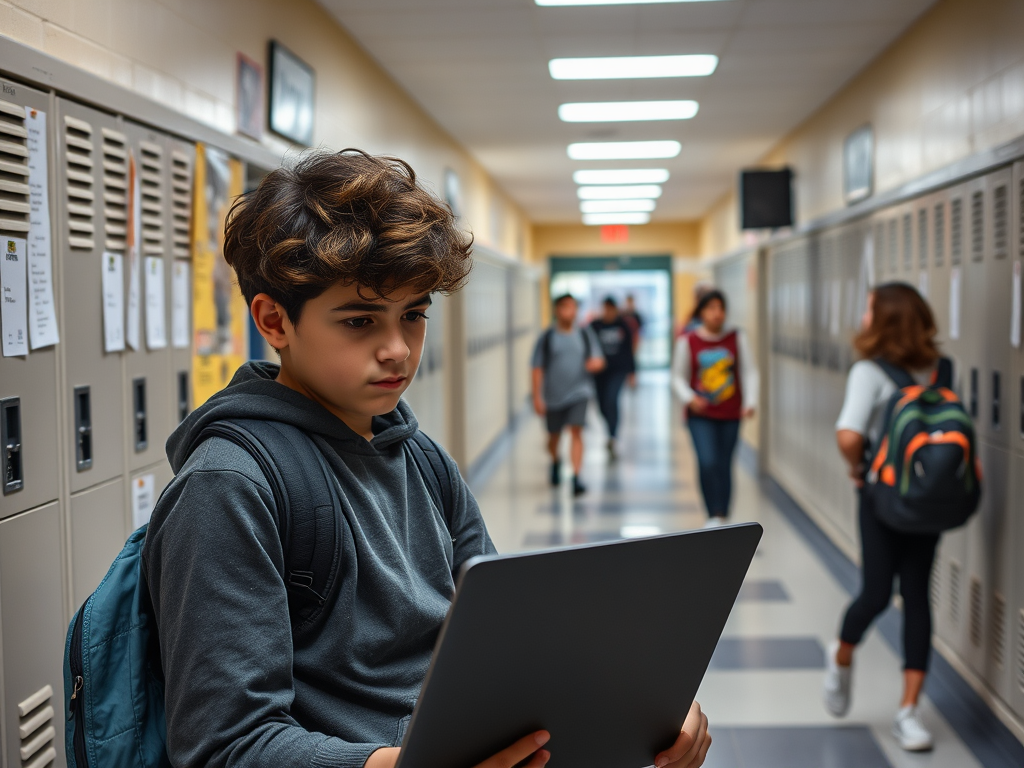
(974, 393)
(139, 406)
(10, 443)
(83, 428)
(996, 400)
(183, 408)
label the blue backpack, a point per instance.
(113, 682)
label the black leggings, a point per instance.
(887, 553)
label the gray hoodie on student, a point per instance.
(241, 689)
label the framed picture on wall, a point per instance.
(292, 95)
(859, 164)
(249, 86)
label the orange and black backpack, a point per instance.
(925, 477)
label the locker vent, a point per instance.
(181, 183)
(14, 201)
(954, 593)
(978, 226)
(893, 244)
(975, 622)
(956, 231)
(940, 234)
(1000, 223)
(908, 241)
(935, 587)
(151, 172)
(79, 173)
(1020, 650)
(922, 237)
(35, 729)
(880, 243)
(999, 630)
(115, 189)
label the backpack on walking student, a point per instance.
(926, 476)
(113, 682)
(545, 347)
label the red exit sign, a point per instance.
(615, 233)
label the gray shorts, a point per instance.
(574, 415)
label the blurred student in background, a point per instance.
(616, 338)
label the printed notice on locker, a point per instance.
(1015, 307)
(156, 310)
(42, 316)
(113, 302)
(181, 290)
(954, 303)
(143, 499)
(14, 285)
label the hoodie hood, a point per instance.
(254, 393)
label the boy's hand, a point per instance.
(594, 365)
(507, 758)
(539, 406)
(691, 748)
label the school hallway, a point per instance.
(763, 692)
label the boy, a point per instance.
(616, 339)
(337, 259)
(564, 361)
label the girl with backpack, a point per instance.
(715, 376)
(898, 350)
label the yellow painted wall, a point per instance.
(951, 86)
(182, 54)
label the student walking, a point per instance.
(565, 360)
(898, 334)
(715, 376)
(276, 660)
(616, 339)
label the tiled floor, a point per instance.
(762, 694)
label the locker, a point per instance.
(1015, 387)
(32, 631)
(1015, 619)
(141, 496)
(99, 529)
(92, 218)
(178, 229)
(148, 380)
(28, 385)
(998, 269)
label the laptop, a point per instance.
(603, 645)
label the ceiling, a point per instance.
(479, 67)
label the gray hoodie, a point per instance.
(241, 689)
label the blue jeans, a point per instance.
(714, 440)
(609, 385)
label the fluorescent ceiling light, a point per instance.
(551, 3)
(623, 150)
(621, 67)
(622, 111)
(616, 206)
(636, 176)
(637, 192)
(594, 219)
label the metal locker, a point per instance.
(143, 489)
(148, 379)
(1015, 387)
(99, 529)
(32, 630)
(179, 229)
(92, 220)
(922, 263)
(998, 271)
(938, 280)
(28, 385)
(1015, 619)
(906, 246)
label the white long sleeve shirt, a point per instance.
(750, 382)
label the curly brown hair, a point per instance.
(902, 329)
(345, 217)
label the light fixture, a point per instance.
(621, 67)
(596, 219)
(623, 111)
(553, 3)
(623, 150)
(634, 192)
(634, 176)
(617, 206)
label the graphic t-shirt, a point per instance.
(617, 344)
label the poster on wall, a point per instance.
(249, 85)
(859, 164)
(292, 95)
(219, 312)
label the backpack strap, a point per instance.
(307, 509)
(900, 377)
(545, 348)
(586, 344)
(944, 374)
(436, 474)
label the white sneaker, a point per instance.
(838, 682)
(910, 732)
(714, 522)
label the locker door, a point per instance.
(938, 281)
(182, 155)
(907, 251)
(148, 379)
(99, 529)
(1015, 654)
(91, 214)
(998, 268)
(144, 488)
(32, 632)
(1015, 388)
(28, 385)
(922, 262)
